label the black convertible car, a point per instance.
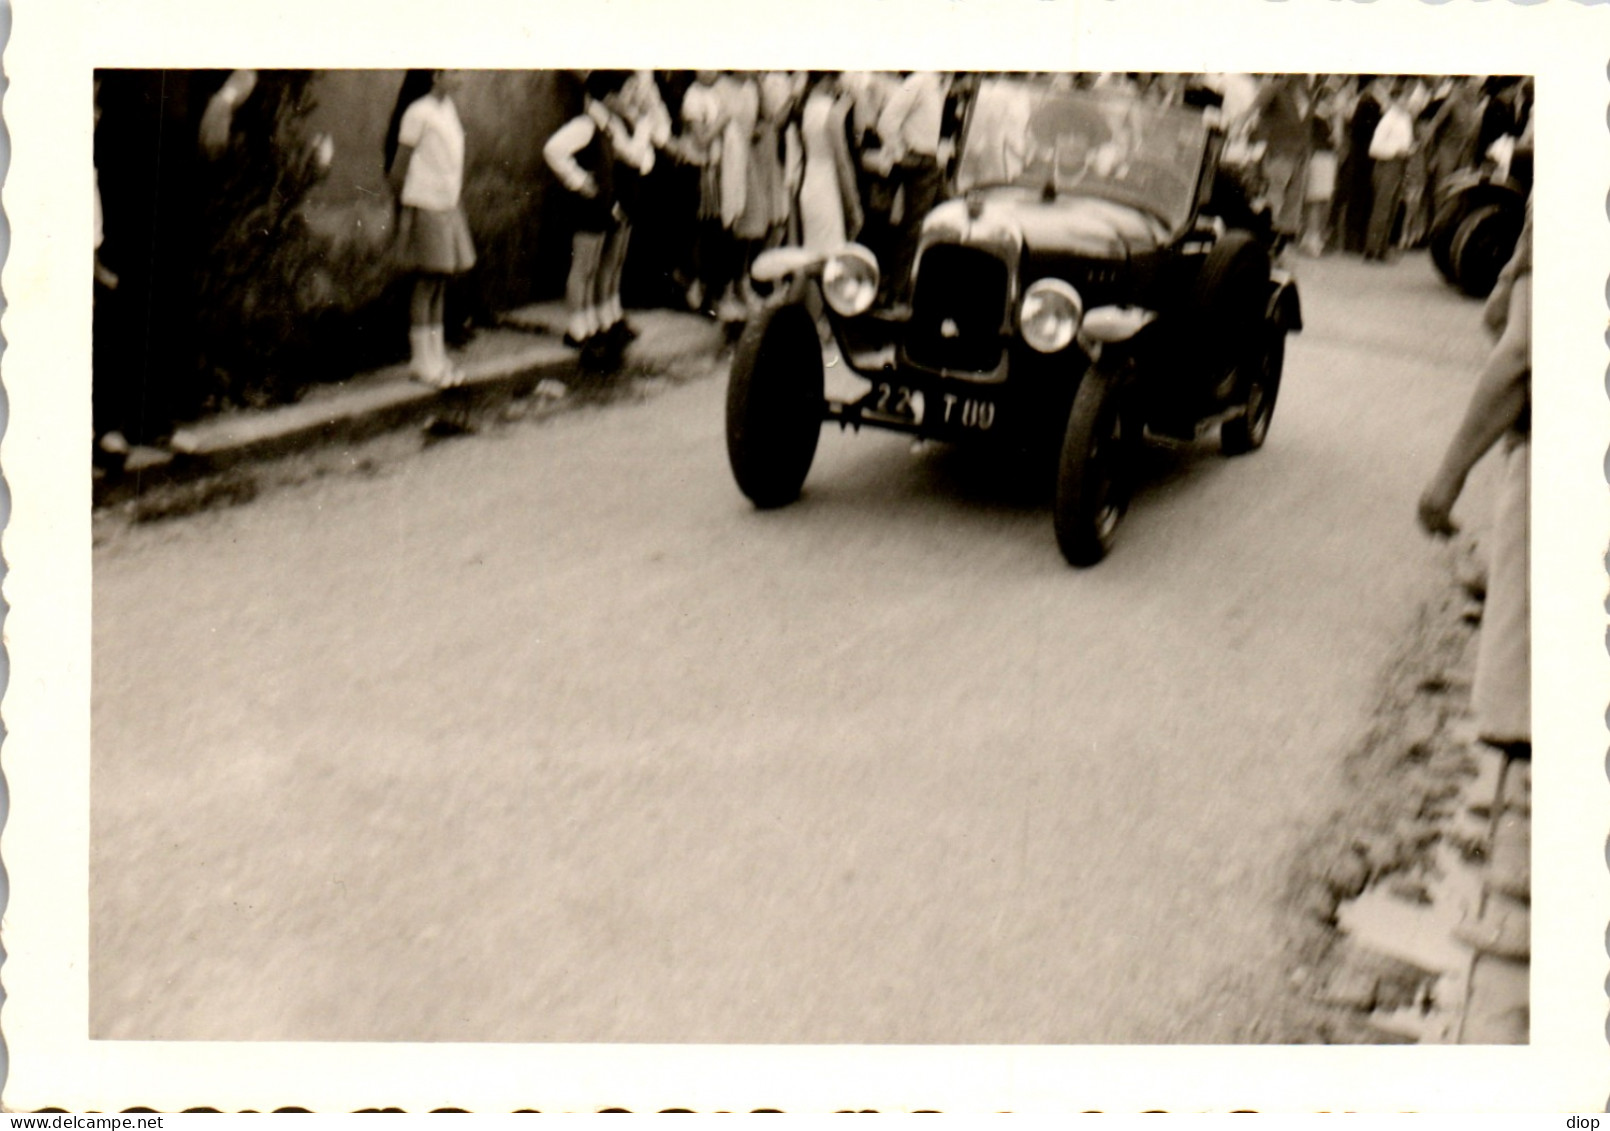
(1082, 288)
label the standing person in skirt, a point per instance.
(830, 211)
(741, 98)
(583, 154)
(433, 238)
(1319, 189)
(704, 124)
(763, 220)
(829, 195)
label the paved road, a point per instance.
(546, 735)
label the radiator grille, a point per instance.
(957, 310)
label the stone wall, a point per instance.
(253, 273)
(507, 117)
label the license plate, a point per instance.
(895, 403)
(976, 413)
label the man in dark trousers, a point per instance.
(1358, 169)
(911, 127)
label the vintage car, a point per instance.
(1079, 291)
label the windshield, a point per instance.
(1117, 147)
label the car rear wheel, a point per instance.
(774, 405)
(1227, 303)
(1093, 472)
(1247, 432)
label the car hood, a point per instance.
(1067, 224)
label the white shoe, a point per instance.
(423, 363)
(447, 374)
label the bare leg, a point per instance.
(421, 341)
(421, 301)
(438, 300)
(611, 267)
(586, 250)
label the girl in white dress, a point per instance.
(829, 197)
(433, 238)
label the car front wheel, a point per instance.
(774, 405)
(1093, 472)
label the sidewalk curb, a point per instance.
(506, 362)
(1411, 877)
(372, 404)
(362, 410)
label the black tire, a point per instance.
(774, 405)
(1227, 304)
(1246, 433)
(1482, 245)
(1094, 472)
(1444, 225)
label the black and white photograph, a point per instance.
(903, 560)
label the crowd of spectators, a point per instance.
(742, 161)
(1357, 163)
(672, 182)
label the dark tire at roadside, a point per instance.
(1482, 245)
(1444, 225)
(1094, 472)
(1246, 433)
(774, 405)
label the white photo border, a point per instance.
(54, 47)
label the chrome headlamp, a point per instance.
(850, 280)
(1050, 314)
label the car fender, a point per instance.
(1109, 325)
(1285, 309)
(779, 262)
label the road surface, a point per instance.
(545, 735)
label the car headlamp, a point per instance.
(850, 280)
(1050, 315)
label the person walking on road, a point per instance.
(433, 238)
(1499, 414)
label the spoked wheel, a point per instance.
(774, 405)
(1094, 472)
(1247, 432)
